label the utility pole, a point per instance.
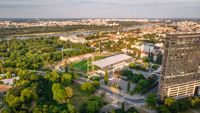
(100, 46)
(92, 64)
(62, 53)
(88, 68)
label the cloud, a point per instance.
(100, 8)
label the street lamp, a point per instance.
(62, 52)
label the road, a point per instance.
(118, 95)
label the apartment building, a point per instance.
(180, 76)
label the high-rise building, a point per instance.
(180, 75)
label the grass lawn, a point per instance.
(82, 65)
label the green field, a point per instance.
(82, 65)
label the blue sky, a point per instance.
(100, 8)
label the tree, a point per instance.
(126, 72)
(13, 101)
(69, 92)
(59, 94)
(194, 102)
(8, 75)
(183, 105)
(159, 59)
(123, 107)
(151, 38)
(141, 86)
(113, 111)
(163, 109)
(34, 77)
(132, 110)
(28, 95)
(138, 88)
(128, 86)
(5, 110)
(88, 87)
(70, 108)
(106, 77)
(54, 76)
(66, 79)
(174, 107)
(132, 65)
(151, 99)
(145, 66)
(169, 101)
(93, 104)
(137, 77)
(1, 68)
(96, 84)
(92, 107)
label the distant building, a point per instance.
(180, 75)
(127, 51)
(145, 49)
(73, 38)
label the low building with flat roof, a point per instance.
(9, 81)
(113, 62)
(73, 38)
(4, 88)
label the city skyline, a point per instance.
(99, 56)
(100, 9)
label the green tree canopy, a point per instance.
(88, 87)
(66, 79)
(151, 99)
(106, 77)
(169, 101)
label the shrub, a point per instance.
(132, 110)
(126, 72)
(95, 78)
(96, 84)
(163, 109)
(138, 67)
(155, 66)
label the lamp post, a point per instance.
(62, 52)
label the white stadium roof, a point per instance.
(111, 60)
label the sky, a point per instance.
(99, 8)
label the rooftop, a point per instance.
(4, 88)
(111, 60)
(183, 35)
